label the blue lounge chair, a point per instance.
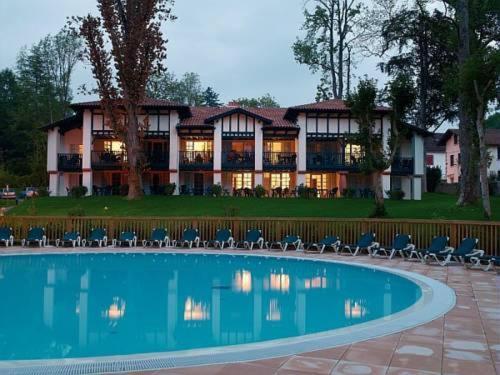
(222, 237)
(366, 242)
(253, 237)
(285, 243)
(332, 242)
(402, 243)
(98, 236)
(69, 239)
(439, 244)
(37, 235)
(159, 236)
(190, 237)
(6, 236)
(462, 253)
(126, 238)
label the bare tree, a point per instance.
(125, 46)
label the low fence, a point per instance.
(310, 229)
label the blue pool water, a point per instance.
(69, 306)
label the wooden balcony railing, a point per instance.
(103, 160)
(276, 161)
(196, 160)
(69, 162)
(238, 160)
(158, 161)
(403, 166)
(333, 161)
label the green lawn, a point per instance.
(433, 206)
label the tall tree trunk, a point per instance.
(378, 194)
(483, 154)
(134, 154)
(468, 169)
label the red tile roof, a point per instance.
(492, 137)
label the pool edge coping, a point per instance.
(436, 300)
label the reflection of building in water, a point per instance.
(318, 282)
(196, 310)
(354, 309)
(273, 313)
(278, 281)
(116, 310)
(242, 281)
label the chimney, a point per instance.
(233, 104)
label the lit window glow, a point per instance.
(273, 314)
(242, 281)
(116, 310)
(354, 309)
(196, 310)
(318, 282)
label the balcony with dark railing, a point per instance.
(158, 161)
(196, 160)
(333, 161)
(280, 161)
(402, 166)
(104, 160)
(69, 162)
(235, 161)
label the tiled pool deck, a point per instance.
(464, 341)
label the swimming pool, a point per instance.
(101, 305)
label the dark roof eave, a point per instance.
(212, 119)
(292, 113)
(184, 110)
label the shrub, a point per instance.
(260, 191)
(306, 192)
(395, 194)
(43, 192)
(433, 176)
(78, 191)
(378, 211)
(215, 190)
(76, 212)
(349, 192)
(170, 189)
(493, 184)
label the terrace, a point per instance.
(69, 162)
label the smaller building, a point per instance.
(435, 153)
(450, 140)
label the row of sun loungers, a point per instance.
(438, 251)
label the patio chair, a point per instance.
(189, 237)
(490, 262)
(159, 236)
(401, 243)
(285, 243)
(332, 242)
(438, 244)
(37, 235)
(366, 242)
(222, 237)
(69, 239)
(6, 236)
(462, 253)
(98, 236)
(126, 238)
(252, 237)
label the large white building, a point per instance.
(195, 147)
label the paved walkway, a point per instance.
(465, 341)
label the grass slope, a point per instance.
(433, 206)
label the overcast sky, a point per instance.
(241, 48)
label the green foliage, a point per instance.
(187, 90)
(395, 194)
(43, 192)
(265, 101)
(211, 98)
(215, 190)
(306, 192)
(433, 177)
(231, 211)
(378, 211)
(349, 193)
(260, 191)
(493, 122)
(170, 189)
(78, 191)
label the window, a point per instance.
(429, 159)
(455, 138)
(459, 158)
(452, 160)
(498, 152)
(115, 146)
(76, 149)
(242, 181)
(199, 146)
(281, 180)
